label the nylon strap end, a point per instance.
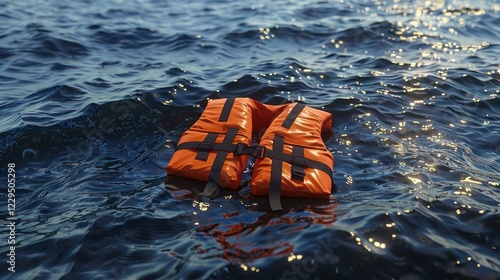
(275, 204)
(211, 190)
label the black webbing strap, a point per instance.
(261, 152)
(201, 145)
(298, 172)
(212, 187)
(213, 179)
(238, 149)
(275, 180)
(276, 162)
(205, 146)
(294, 113)
(226, 110)
(298, 161)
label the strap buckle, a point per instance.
(241, 149)
(299, 161)
(298, 164)
(254, 151)
(204, 146)
(258, 151)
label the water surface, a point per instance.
(94, 97)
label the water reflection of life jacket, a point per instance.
(291, 159)
(239, 228)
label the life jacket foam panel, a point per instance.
(189, 164)
(304, 132)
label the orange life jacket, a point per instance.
(291, 159)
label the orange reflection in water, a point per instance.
(270, 234)
(236, 246)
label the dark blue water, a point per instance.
(95, 95)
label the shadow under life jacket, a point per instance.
(291, 159)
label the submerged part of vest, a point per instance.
(291, 158)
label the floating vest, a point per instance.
(291, 159)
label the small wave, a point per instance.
(59, 93)
(5, 53)
(142, 37)
(319, 11)
(57, 47)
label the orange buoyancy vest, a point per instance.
(205, 151)
(296, 163)
(291, 158)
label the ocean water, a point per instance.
(95, 95)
